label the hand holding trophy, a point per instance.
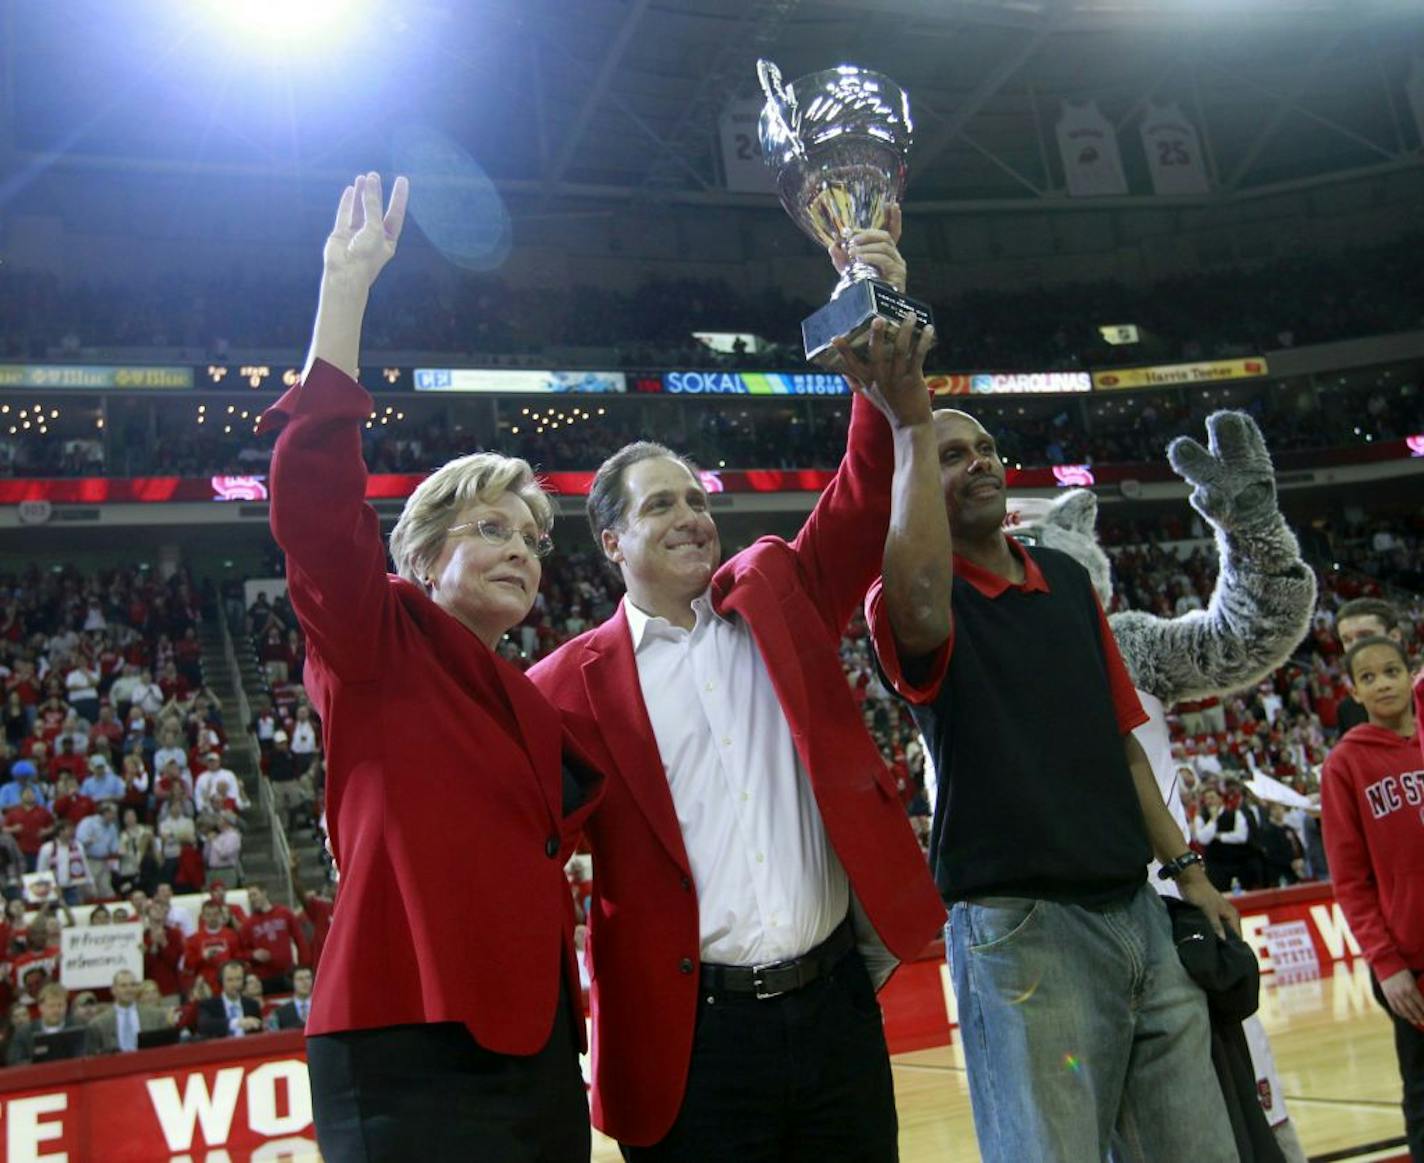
(837, 141)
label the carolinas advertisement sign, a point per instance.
(995, 383)
(720, 383)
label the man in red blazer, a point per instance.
(746, 808)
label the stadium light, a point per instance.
(284, 22)
(1119, 333)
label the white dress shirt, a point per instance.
(1207, 831)
(769, 885)
(235, 1015)
(126, 1025)
(304, 740)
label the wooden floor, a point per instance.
(1333, 1045)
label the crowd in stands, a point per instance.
(286, 729)
(218, 970)
(113, 774)
(116, 794)
(1282, 728)
(1140, 427)
(1031, 431)
(1207, 314)
(1298, 300)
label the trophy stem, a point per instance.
(857, 272)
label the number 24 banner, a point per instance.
(1174, 152)
(742, 167)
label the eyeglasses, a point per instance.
(498, 533)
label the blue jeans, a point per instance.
(1078, 1023)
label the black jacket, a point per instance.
(288, 1018)
(1228, 974)
(212, 1016)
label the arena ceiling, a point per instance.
(564, 102)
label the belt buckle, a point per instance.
(762, 994)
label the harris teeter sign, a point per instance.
(1211, 371)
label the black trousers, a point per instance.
(800, 1078)
(431, 1092)
(1409, 1045)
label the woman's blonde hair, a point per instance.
(419, 535)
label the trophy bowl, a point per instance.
(838, 141)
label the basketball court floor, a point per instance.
(1334, 1048)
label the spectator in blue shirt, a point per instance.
(99, 836)
(102, 783)
(22, 774)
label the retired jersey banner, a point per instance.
(1212, 371)
(742, 167)
(1174, 152)
(1088, 144)
(995, 383)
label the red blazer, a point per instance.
(797, 598)
(444, 767)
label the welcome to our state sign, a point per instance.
(238, 1100)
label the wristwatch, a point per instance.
(1174, 868)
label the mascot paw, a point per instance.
(1233, 483)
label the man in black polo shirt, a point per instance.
(1077, 1017)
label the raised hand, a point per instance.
(360, 244)
(892, 376)
(363, 239)
(1234, 485)
(878, 248)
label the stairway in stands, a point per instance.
(259, 859)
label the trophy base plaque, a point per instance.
(851, 313)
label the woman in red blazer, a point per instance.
(442, 1025)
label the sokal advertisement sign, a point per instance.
(720, 383)
(77, 375)
(516, 381)
(994, 383)
(1212, 371)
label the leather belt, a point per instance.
(778, 977)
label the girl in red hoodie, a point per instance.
(1372, 799)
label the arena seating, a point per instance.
(1310, 299)
(763, 433)
(106, 701)
(1281, 727)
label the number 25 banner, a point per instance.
(1174, 152)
